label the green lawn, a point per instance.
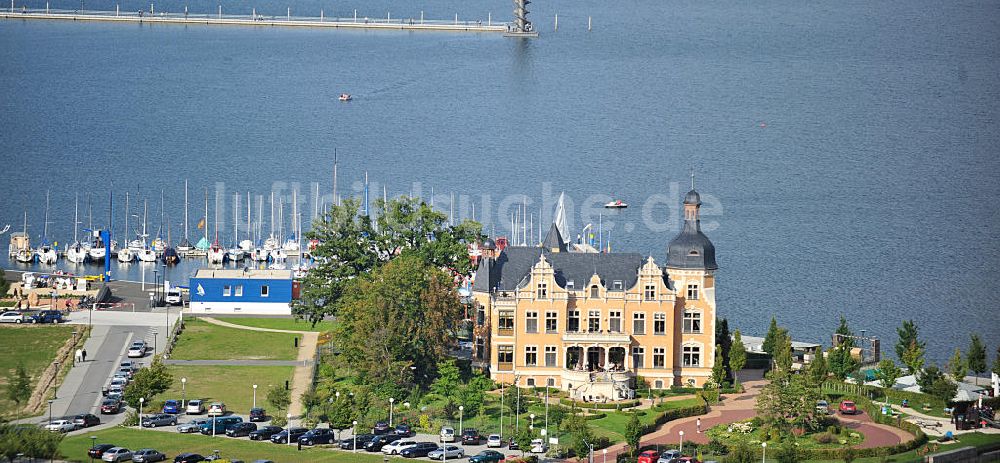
(35, 346)
(232, 385)
(974, 439)
(75, 448)
(289, 324)
(205, 341)
(613, 425)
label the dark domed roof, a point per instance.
(692, 197)
(691, 249)
(489, 244)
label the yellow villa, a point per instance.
(590, 323)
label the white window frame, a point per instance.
(639, 317)
(265, 291)
(693, 291)
(690, 317)
(530, 350)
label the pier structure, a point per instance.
(522, 27)
(257, 19)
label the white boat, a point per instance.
(24, 256)
(142, 250)
(20, 244)
(126, 255)
(278, 255)
(97, 253)
(258, 254)
(76, 253)
(345, 97)
(146, 254)
(246, 246)
(47, 255)
(235, 254)
(616, 204)
(291, 247)
(216, 255)
(277, 266)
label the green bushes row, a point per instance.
(599, 406)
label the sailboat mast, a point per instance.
(185, 210)
(336, 198)
(249, 207)
(295, 209)
(206, 214)
(236, 220)
(145, 211)
(159, 232)
(272, 214)
(45, 227)
(216, 216)
(126, 219)
(76, 218)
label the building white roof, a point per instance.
(755, 344)
(245, 274)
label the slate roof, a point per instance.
(513, 267)
(554, 240)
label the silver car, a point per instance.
(193, 426)
(668, 456)
(148, 456)
(116, 454)
(137, 349)
(446, 452)
(159, 419)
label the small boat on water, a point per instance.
(345, 97)
(616, 204)
(46, 253)
(126, 255)
(97, 253)
(170, 256)
(216, 255)
(76, 253)
(278, 255)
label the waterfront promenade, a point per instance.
(355, 22)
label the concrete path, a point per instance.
(305, 364)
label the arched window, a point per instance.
(595, 291)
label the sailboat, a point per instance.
(75, 252)
(21, 244)
(185, 245)
(46, 253)
(145, 253)
(216, 255)
(291, 245)
(96, 250)
(158, 244)
(170, 256)
(127, 253)
(247, 244)
(235, 253)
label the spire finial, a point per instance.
(692, 178)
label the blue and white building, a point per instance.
(248, 291)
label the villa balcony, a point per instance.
(601, 337)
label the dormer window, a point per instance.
(543, 291)
(595, 292)
(617, 285)
(571, 285)
(693, 252)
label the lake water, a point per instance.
(847, 152)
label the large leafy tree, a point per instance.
(909, 349)
(19, 388)
(976, 357)
(279, 397)
(769, 338)
(737, 355)
(957, 366)
(397, 320)
(725, 344)
(783, 351)
(888, 373)
(718, 366)
(841, 362)
(352, 244)
(633, 433)
(818, 370)
(148, 382)
(933, 381)
(788, 401)
(18, 442)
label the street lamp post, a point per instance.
(391, 400)
(55, 390)
(156, 287)
(143, 399)
(154, 341)
(461, 415)
(532, 423)
(547, 409)
(184, 393)
(50, 411)
(501, 411)
(93, 445)
(605, 451)
(288, 420)
(254, 396)
(681, 445)
(763, 446)
(354, 432)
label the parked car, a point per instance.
(360, 440)
(512, 445)
(648, 456)
(188, 458)
(148, 456)
(668, 456)
(317, 436)
(538, 446)
(420, 449)
(264, 432)
(111, 406)
(137, 349)
(494, 441)
(116, 390)
(393, 448)
(217, 409)
(125, 373)
(487, 456)
(404, 430)
(381, 427)
(46, 316)
(172, 406)
(376, 444)
(12, 317)
(445, 452)
(241, 429)
(848, 408)
(218, 425)
(822, 407)
(174, 296)
(134, 366)
(288, 435)
(116, 454)
(470, 436)
(447, 434)
(60, 426)
(117, 382)
(86, 420)
(258, 414)
(159, 419)
(191, 426)
(98, 450)
(195, 407)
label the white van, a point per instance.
(447, 434)
(174, 296)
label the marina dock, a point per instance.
(254, 19)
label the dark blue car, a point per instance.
(172, 407)
(47, 316)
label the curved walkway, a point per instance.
(305, 364)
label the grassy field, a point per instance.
(232, 385)
(35, 346)
(205, 341)
(974, 439)
(75, 448)
(289, 324)
(613, 425)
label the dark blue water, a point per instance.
(847, 152)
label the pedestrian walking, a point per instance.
(697, 424)
(84, 355)
(77, 356)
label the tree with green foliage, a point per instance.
(448, 380)
(783, 351)
(909, 349)
(353, 244)
(740, 452)
(841, 361)
(818, 370)
(737, 356)
(633, 433)
(523, 439)
(514, 400)
(718, 366)
(341, 414)
(582, 436)
(976, 357)
(888, 373)
(933, 381)
(725, 341)
(28, 442)
(395, 321)
(4, 284)
(772, 333)
(148, 383)
(956, 366)
(845, 331)
(279, 397)
(996, 362)
(788, 452)
(19, 388)
(788, 401)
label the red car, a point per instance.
(649, 456)
(848, 408)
